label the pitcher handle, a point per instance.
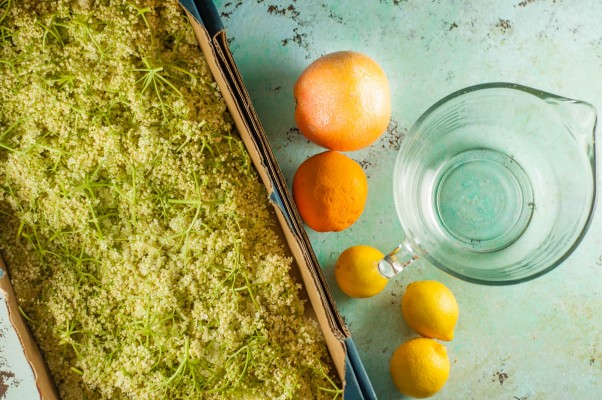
(397, 260)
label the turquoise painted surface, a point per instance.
(537, 340)
(16, 377)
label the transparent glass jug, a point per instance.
(495, 184)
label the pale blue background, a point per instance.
(17, 377)
(534, 341)
(537, 340)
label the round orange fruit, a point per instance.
(330, 191)
(343, 101)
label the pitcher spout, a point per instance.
(580, 118)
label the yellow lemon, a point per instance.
(420, 367)
(356, 272)
(430, 309)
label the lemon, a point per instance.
(430, 309)
(356, 272)
(420, 367)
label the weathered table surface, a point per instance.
(537, 340)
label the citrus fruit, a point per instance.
(356, 272)
(430, 309)
(420, 367)
(330, 190)
(343, 101)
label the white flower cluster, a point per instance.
(138, 236)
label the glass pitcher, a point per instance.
(495, 184)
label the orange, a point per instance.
(343, 101)
(330, 190)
